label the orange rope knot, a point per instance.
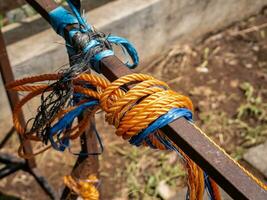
(132, 103)
(129, 111)
(132, 111)
(84, 188)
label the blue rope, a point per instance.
(208, 186)
(86, 27)
(126, 47)
(162, 121)
(64, 123)
(60, 18)
(92, 153)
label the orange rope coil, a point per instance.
(130, 112)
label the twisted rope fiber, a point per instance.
(85, 188)
(137, 114)
(130, 112)
(37, 90)
(86, 47)
(147, 100)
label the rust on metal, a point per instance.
(7, 76)
(43, 7)
(197, 146)
(85, 165)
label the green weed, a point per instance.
(145, 169)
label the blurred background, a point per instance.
(214, 51)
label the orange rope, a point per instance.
(130, 112)
(84, 188)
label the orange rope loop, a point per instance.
(132, 112)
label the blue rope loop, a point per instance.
(65, 123)
(84, 40)
(162, 121)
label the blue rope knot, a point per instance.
(85, 41)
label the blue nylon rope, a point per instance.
(81, 21)
(125, 45)
(60, 18)
(64, 123)
(162, 121)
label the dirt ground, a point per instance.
(226, 77)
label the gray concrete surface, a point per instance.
(257, 157)
(151, 25)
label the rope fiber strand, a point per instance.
(137, 114)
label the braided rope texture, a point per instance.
(130, 112)
(84, 188)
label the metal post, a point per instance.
(7, 76)
(85, 165)
(12, 165)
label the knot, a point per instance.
(147, 99)
(137, 105)
(86, 46)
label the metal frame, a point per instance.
(12, 164)
(194, 143)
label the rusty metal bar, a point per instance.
(201, 150)
(7, 76)
(12, 165)
(85, 165)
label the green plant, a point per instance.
(1, 21)
(145, 169)
(254, 105)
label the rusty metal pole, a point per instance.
(7, 76)
(85, 165)
(199, 148)
(29, 165)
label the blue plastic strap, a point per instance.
(60, 18)
(81, 21)
(162, 121)
(126, 45)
